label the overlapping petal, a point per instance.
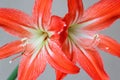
(31, 65)
(11, 49)
(62, 59)
(42, 12)
(58, 60)
(75, 11)
(99, 16)
(70, 54)
(56, 25)
(89, 59)
(91, 62)
(102, 13)
(109, 45)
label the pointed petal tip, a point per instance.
(60, 75)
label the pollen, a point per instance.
(13, 59)
(10, 61)
(107, 48)
(95, 40)
(24, 40)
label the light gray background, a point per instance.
(111, 63)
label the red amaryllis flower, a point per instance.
(39, 40)
(83, 38)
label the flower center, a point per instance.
(36, 41)
(81, 37)
(39, 37)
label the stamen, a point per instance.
(10, 61)
(107, 48)
(24, 39)
(14, 58)
(95, 41)
(25, 42)
(70, 46)
(29, 53)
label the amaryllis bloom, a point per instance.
(83, 37)
(38, 42)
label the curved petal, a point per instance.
(75, 11)
(67, 49)
(56, 28)
(58, 59)
(63, 35)
(70, 54)
(29, 68)
(13, 21)
(56, 24)
(109, 45)
(11, 49)
(41, 12)
(91, 62)
(101, 12)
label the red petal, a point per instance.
(56, 24)
(15, 29)
(56, 27)
(13, 22)
(30, 68)
(67, 48)
(15, 16)
(69, 51)
(91, 62)
(58, 59)
(98, 23)
(60, 75)
(75, 11)
(101, 12)
(63, 35)
(41, 12)
(11, 49)
(109, 45)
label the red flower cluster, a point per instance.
(61, 42)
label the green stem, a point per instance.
(13, 75)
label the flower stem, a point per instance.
(13, 75)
